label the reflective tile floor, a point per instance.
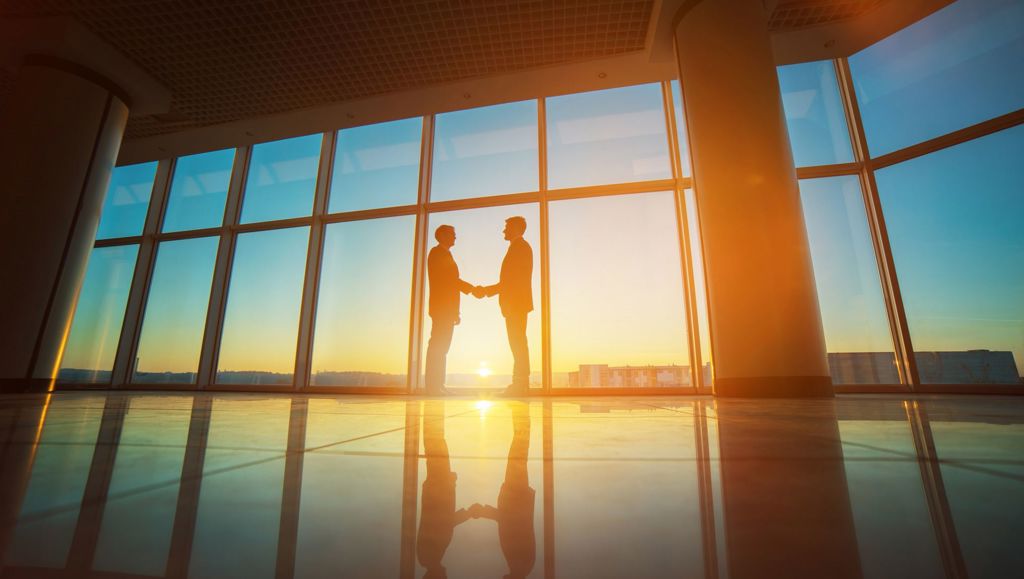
(225, 485)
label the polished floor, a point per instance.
(234, 485)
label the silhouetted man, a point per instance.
(516, 502)
(445, 285)
(515, 296)
(438, 517)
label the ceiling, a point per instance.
(237, 59)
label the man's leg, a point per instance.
(515, 324)
(437, 353)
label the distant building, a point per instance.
(863, 368)
(969, 367)
(605, 376)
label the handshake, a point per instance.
(479, 292)
(476, 510)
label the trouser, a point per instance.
(437, 352)
(515, 324)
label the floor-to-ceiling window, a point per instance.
(907, 156)
(302, 262)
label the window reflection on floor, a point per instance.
(248, 486)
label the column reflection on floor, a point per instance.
(168, 485)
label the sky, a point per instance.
(954, 220)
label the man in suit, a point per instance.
(445, 285)
(515, 296)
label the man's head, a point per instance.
(515, 227)
(445, 236)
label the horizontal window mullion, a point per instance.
(949, 140)
(617, 189)
(267, 225)
(370, 214)
(819, 171)
(133, 240)
(189, 234)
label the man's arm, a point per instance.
(461, 516)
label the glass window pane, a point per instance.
(485, 151)
(814, 114)
(857, 334)
(282, 177)
(179, 294)
(617, 305)
(362, 319)
(127, 200)
(479, 356)
(377, 166)
(96, 329)
(198, 191)
(954, 219)
(261, 322)
(135, 537)
(955, 68)
(684, 144)
(608, 136)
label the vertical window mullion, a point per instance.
(545, 255)
(879, 235)
(222, 270)
(310, 289)
(131, 328)
(686, 262)
(419, 253)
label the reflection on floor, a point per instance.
(225, 485)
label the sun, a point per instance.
(483, 371)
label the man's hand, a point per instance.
(478, 292)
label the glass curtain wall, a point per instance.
(910, 186)
(303, 262)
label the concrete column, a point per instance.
(62, 128)
(766, 333)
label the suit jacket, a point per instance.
(515, 284)
(445, 285)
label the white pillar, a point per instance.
(62, 128)
(766, 332)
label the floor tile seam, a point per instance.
(389, 431)
(978, 469)
(205, 474)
